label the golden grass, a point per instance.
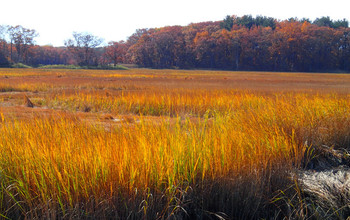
(68, 161)
(192, 159)
(24, 87)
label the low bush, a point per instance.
(20, 65)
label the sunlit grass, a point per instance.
(65, 161)
(155, 150)
(25, 87)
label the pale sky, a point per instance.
(55, 20)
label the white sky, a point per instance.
(55, 20)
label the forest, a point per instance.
(235, 43)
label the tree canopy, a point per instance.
(247, 43)
(234, 43)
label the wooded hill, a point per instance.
(235, 43)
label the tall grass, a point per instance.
(25, 87)
(227, 159)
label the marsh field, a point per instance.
(173, 144)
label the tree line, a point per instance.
(235, 43)
(247, 43)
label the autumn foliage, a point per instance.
(285, 46)
(236, 43)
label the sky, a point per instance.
(115, 20)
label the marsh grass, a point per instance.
(166, 144)
(230, 160)
(25, 87)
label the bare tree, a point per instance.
(23, 39)
(82, 46)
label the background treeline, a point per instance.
(247, 43)
(236, 43)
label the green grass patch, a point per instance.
(61, 66)
(20, 65)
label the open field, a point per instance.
(182, 144)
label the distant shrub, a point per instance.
(130, 66)
(20, 65)
(61, 66)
